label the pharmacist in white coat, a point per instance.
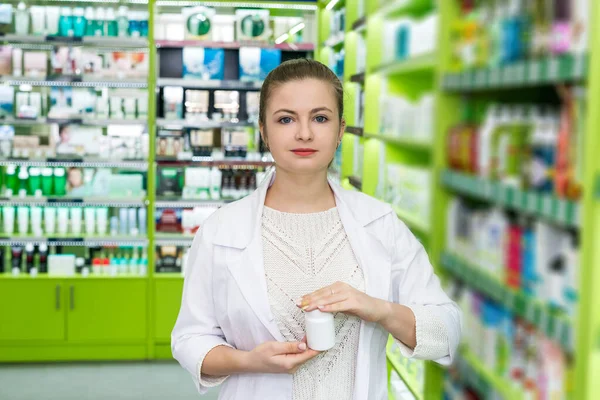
(299, 243)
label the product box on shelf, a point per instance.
(35, 64)
(198, 22)
(6, 60)
(252, 24)
(203, 63)
(170, 181)
(256, 63)
(170, 143)
(7, 101)
(173, 102)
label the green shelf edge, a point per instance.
(548, 207)
(426, 62)
(501, 385)
(530, 73)
(403, 375)
(403, 142)
(411, 221)
(401, 7)
(554, 325)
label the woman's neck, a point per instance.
(298, 193)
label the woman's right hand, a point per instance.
(278, 357)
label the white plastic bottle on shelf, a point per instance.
(123, 21)
(215, 183)
(485, 140)
(22, 19)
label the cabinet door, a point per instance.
(107, 310)
(32, 310)
(167, 294)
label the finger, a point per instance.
(336, 288)
(326, 300)
(342, 306)
(303, 357)
(289, 348)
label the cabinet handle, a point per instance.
(57, 297)
(72, 297)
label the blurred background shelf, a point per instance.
(547, 206)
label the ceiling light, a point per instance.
(282, 38)
(297, 28)
(331, 4)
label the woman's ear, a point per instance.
(261, 129)
(342, 129)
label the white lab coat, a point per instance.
(225, 293)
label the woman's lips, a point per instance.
(304, 152)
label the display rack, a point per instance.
(452, 88)
(121, 316)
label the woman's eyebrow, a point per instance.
(318, 109)
(283, 110)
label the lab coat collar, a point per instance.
(246, 214)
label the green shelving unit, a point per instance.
(123, 317)
(435, 71)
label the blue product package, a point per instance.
(201, 63)
(269, 60)
(214, 63)
(528, 254)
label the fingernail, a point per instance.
(302, 346)
(304, 308)
(321, 307)
(299, 302)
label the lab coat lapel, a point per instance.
(370, 253)
(247, 266)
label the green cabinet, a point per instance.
(107, 310)
(167, 295)
(32, 310)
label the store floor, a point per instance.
(98, 381)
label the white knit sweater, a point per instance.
(303, 253)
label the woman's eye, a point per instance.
(321, 119)
(285, 120)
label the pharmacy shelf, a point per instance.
(423, 63)
(355, 130)
(124, 241)
(182, 124)
(549, 320)
(358, 78)
(72, 202)
(402, 7)
(25, 276)
(411, 221)
(66, 81)
(91, 41)
(221, 164)
(300, 47)
(549, 207)
(395, 359)
(74, 121)
(413, 144)
(356, 182)
(172, 239)
(482, 379)
(189, 203)
(209, 84)
(77, 163)
(168, 275)
(335, 42)
(547, 71)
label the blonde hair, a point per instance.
(297, 70)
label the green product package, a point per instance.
(35, 182)
(47, 182)
(60, 181)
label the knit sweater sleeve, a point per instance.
(415, 285)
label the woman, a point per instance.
(299, 243)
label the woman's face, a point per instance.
(302, 127)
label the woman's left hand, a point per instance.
(341, 297)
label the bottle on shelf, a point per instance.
(22, 19)
(123, 21)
